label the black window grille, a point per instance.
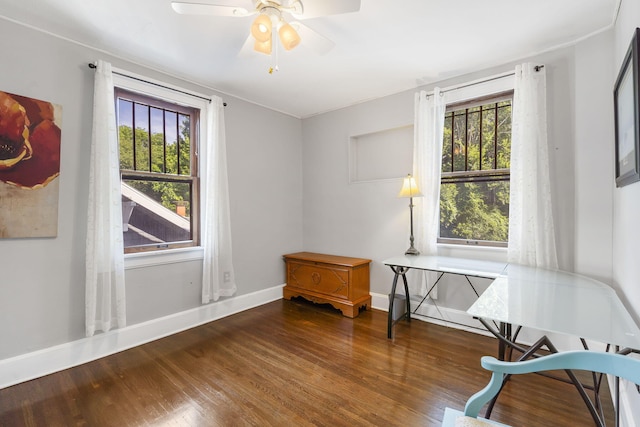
(158, 164)
(476, 150)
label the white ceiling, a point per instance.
(385, 48)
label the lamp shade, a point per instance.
(263, 47)
(409, 188)
(261, 28)
(288, 36)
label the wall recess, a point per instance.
(381, 155)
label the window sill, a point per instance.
(488, 253)
(170, 256)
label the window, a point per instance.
(159, 171)
(474, 191)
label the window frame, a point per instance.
(172, 98)
(486, 175)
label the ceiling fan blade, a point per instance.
(208, 9)
(313, 40)
(247, 48)
(317, 8)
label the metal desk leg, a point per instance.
(398, 271)
(503, 346)
(392, 297)
(407, 314)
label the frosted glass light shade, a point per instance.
(409, 188)
(288, 36)
(263, 47)
(261, 28)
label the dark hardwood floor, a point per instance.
(290, 363)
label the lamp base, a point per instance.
(412, 251)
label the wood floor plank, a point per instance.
(290, 363)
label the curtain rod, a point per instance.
(489, 79)
(93, 66)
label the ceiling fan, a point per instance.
(271, 23)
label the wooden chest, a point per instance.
(340, 281)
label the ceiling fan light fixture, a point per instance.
(270, 24)
(289, 37)
(261, 28)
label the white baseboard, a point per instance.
(36, 364)
(443, 316)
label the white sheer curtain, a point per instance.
(427, 166)
(218, 278)
(105, 292)
(531, 230)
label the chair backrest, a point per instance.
(594, 361)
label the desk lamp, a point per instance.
(410, 190)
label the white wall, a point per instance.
(42, 280)
(626, 200)
(593, 127)
(363, 219)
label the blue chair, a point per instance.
(608, 363)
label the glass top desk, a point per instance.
(546, 300)
(559, 302)
(400, 265)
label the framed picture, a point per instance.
(627, 117)
(30, 136)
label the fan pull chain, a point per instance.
(274, 55)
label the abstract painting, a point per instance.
(29, 166)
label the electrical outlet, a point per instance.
(226, 276)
